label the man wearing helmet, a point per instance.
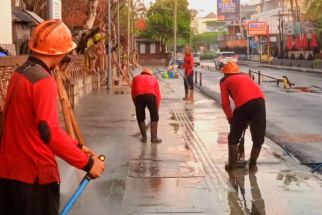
(31, 134)
(249, 110)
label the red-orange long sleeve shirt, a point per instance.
(241, 88)
(145, 84)
(31, 134)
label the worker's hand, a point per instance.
(88, 151)
(97, 168)
(185, 77)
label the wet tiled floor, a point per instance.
(184, 174)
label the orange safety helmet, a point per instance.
(147, 71)
(51, 37)
(230, 68)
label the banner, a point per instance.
(228, 10)
(257, 28)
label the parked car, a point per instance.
(196, 59)
(225, 57)
(242, 57)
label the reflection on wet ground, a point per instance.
(185, 173)
(304, 90)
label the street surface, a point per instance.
(185, 173)
(294, 115)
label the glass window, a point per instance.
(142, 48)
(152, 48)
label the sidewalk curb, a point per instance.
(298, 69)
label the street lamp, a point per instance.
(109, 85)
(175, 33)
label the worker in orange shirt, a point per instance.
(188, 64)
(146, 93)
(249, 110)
(31, 135)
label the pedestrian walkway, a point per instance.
(185, 173)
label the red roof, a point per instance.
(211, 15)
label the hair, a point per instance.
(188, 50)
(4, 50)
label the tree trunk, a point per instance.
(91, 14)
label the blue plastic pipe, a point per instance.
(76, 195)
(87, 178)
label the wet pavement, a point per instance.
(294, 117)
(184, 174)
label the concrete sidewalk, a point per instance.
(184, 174)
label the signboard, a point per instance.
(54, 9)
(228, 10)
(257, 28)
(6, 22)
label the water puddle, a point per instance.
(304, 90)
(175, 127)
(294, 180)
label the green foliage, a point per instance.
(207, 55)
(314, 14)
(208, 37)
(160, 18)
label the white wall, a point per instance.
(5, 22)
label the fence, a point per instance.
(285, 80)
(76, 81)
(260, 77)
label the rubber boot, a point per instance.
(185, 94)
(232, 157)
(241, 152)
(190, 95)
(154, 133)
(142, 127)
(253, 159)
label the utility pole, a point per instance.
(109, 86)
(118, 36)
(128, 32)
(175, 33)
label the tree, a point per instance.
(160, 21)
(313, 14)
(207, 39)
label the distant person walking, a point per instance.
(249, 110)
(31, 134)
(3, 52)
(146, 93)
(188, 74)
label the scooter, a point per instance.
(85, 181)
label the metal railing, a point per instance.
(260, 78)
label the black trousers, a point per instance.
(254, 114)
(17, 198)
(188, 83)
(143, 101)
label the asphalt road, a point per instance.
(294, 116)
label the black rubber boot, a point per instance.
(190, 94)
(185, 94)
(142, 127)
(154, 133)
(232, 157)
(253, 159)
